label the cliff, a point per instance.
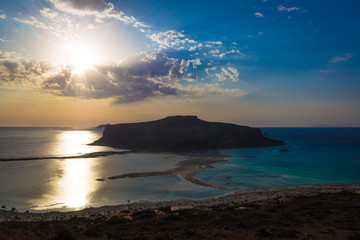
(182, 133)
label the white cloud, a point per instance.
(33, 21)
(215, 51)
(259, 15)
(99, 8)
(228, 73)
(327, 71)
(170, 38)
(193, 48)
(2, 16)
(235, 74)
(216, 43)
(48, 13)
(210, 69)
(289, 9)
(3, 39)
(341, 58)
(195, 62)
(221, 76)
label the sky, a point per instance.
(263, 63)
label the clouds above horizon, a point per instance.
(139, 77)
(281, 8)
(342, 58)
(99, 8)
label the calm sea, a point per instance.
(313, 156)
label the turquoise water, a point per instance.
(314, 156)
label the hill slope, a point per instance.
(182, 133)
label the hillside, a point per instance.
(182, 133)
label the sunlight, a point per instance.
(72, 188)
(80, 56)
(74, 182)
(75, 142)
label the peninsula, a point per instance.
(181, 134)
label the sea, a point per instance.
(311, 156)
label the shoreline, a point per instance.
(260, 197)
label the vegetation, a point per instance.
(325, 216)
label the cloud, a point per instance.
(83, 7)
(210, 69)
(327, 71)
(289, 9)
(342, 58)
(48, 13)
(259, 15)
(193, 48)
(33, 21)
(228, 73)
(196, 62)
(170, 38)
(139, 77)
(3, 39)
(98, 8)
(13, 70)
(216, 43)
(2, 16)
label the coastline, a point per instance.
(259, 197)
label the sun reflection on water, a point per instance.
(74, 181)
(75, 143)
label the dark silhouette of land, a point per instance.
(182, 133)
(294, 213)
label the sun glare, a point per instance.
(80, 57)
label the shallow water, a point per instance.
(69, 184)
(315, 156)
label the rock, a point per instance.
(182, 133)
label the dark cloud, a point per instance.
(14, 70)
(140, 77)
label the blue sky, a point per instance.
(254, 62)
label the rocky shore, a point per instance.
(259, 197)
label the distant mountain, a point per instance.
(324, 126)
(102, 126)
(182, 133)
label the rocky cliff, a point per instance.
(182, 133)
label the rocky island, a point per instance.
(181, 134)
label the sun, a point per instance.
(80, 57)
